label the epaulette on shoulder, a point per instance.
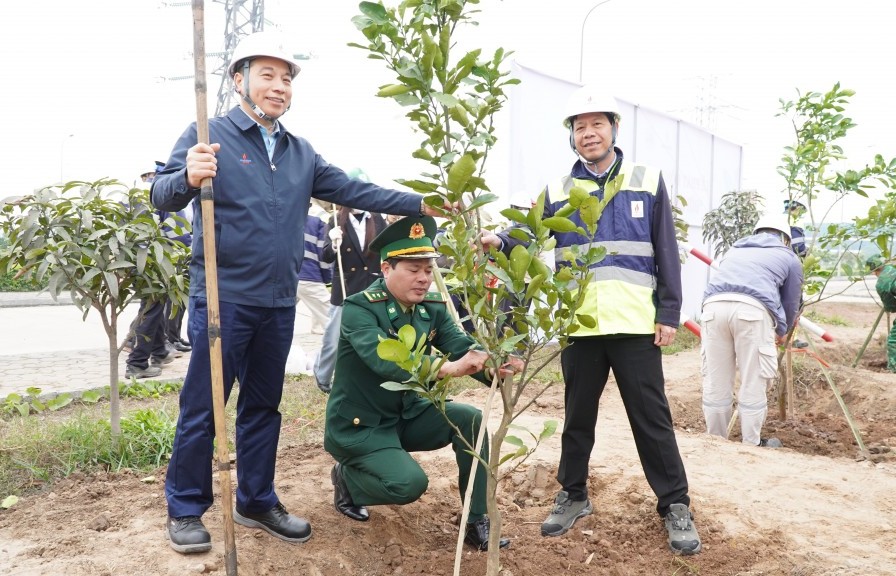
(376, 295)
(434, 297)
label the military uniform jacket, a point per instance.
(360, 413)
(886, 288)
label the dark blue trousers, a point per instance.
(255, 344)
(638, 368)
(149, 334)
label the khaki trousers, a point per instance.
(316, 297)
(737, 336)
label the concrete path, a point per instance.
(48, 345)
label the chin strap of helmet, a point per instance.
(256, 109)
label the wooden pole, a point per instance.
(338, 247)
(207, 203)
(868, 339)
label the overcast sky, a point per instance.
(94, 70)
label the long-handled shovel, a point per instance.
(207, 197)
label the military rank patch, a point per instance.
(376, 295)
(434, 297)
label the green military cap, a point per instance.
(410, 237)
(874, 262)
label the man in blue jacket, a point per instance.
(749, 305)
(264, 178)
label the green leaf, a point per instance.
(558, 224)
(577, 195)
(482, 200)
(407, 336)
(399, 386)
(376, 12)
(390, 90)
(519, 263)
(514, 441)
(111, 284)
(460, 174)
(446, 100)
(590, 210)
(564, 275)
(507, 457)
(91, 396)
(520, 234)
(550, 427)
(60, 401)
(586, 320)
(535, 285)
(392, 351)
(9, 502)
(514, 215)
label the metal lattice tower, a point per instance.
(241, 17)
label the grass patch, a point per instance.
(38, 450)
(41, 448)
(819, 318)
(684, 340)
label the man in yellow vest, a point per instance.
(634, 296)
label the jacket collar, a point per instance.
(245, 122)
(580, 172)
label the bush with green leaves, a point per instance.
(731, 220)
(102, 244)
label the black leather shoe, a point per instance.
(342, 500)
(277, 522)
(180, 346)
(188, 535)
(477, 535)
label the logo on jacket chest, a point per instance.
(244, 160)
(637, 208)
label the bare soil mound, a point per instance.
(815, 507)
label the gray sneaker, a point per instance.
(564, 514)
(138, 373)
(770, 443)
(683, 537)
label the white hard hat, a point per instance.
(262, 44)
(590, 99)
(777, 222)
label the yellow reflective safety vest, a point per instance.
(633, 287)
